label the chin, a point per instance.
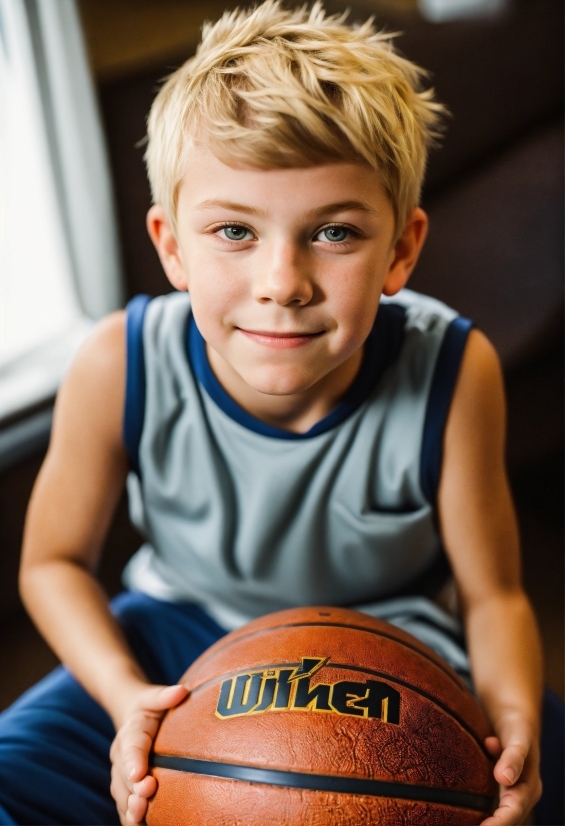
(280, 383)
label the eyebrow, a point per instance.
(326, 209)
(231, 205)
(345, 206)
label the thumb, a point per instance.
(162, 698)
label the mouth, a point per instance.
(281, 340)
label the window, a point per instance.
(59, 262)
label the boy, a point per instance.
(278, 425)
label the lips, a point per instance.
(280, 340)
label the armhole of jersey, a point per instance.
(134, 408)
(439, 402)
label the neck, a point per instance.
(296, 412)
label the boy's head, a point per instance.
(270, 88)
(286, 160)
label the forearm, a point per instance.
(71, 611)
(506, 660)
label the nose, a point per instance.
(283, 276)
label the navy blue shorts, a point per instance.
(55, 740)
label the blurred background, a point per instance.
(495, 249)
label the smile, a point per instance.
(280, 341)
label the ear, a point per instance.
(406, 252)
(167, 246)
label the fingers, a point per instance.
(137, 809)
(145, 788)
(511, 809)
(131, 785)
(131, 804)
(509, 767)
(517, 801)
(493, 746)
(141, 728)
(120, 793)
(136, 739)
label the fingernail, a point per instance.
(131, 773)
(510, 775)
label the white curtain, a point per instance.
(56, 206)
(76, 147)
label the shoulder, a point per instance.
(435, 345)
(480, 383)
(476, 425)
(481, 359)
(156, 344)
(434, 335)
(163, 311)
(155, 325)
(100, 361)
(91, 397)
(475, 504)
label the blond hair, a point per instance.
(271, 88)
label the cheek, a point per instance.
(215, 291)
(355, 300)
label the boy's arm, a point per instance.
(68, 516)
(480, 534)
(72, 503)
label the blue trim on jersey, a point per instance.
(134, 408)
(381, 349)
(439, 401)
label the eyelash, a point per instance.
(226, 224)
(350, 230)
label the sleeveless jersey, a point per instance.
(244, 518)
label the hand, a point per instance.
(131, 785)
(517, 772)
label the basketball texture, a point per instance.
(322, 717)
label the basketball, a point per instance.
(323, 717)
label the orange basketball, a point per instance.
(322, 717)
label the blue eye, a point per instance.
(335, 234)
(235, 232)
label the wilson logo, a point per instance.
(288, 689)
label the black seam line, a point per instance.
(324, 782)
(457, 680)
(346, 667)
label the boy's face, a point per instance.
(285, 269)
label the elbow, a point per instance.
(25, 581)
(32, 576)
(505, 601)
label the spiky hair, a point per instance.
(272, 88)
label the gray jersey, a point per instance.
(244, 518)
